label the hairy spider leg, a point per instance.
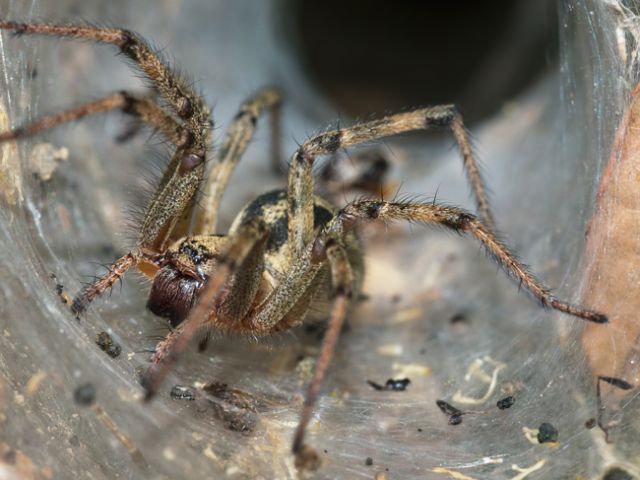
(186, 169)
(457, 219)
(342, 281)
(233, 147)
(308, 257)
(142, 108)
(300, 173)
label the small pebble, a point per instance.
(590, 423)
(506, 402)
(547, 433)
(458, 318)
(85, 395)
(368, 462)
(455, 419)
(108, 345)
(180, 392)
(399, 385)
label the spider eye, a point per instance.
(195, 252)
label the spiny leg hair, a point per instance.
(326, 248)
(461, 221)
(142, 108)
(301, 176)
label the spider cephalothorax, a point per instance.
(288, 250)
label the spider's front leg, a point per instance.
(188, 127)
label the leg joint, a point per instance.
(442, 116)
(127, 43)
(324, 144)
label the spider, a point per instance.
(288, 251)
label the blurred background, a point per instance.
(543, 86)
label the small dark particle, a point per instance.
(85, 395)
(455, 419)
(376, 386)
(419, 430)
(180, 392)
(447, 408)
(458, 318)
(616, 473)
(547, 433)
(235, 408)
(455, 415)
(108, 345)
(506, 402)
(74, 441)
(399, 385)
(617, 382)
(590, 423)
(368, 462)
(363, 297)
(59, 288)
